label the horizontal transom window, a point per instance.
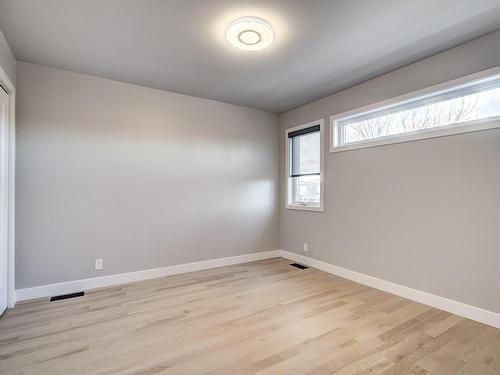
(459, 108)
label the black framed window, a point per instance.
(304, 162)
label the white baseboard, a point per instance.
(458, 308)
(129, 277)
(455, 307)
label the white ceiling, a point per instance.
(178, 45)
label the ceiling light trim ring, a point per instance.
(250, 31)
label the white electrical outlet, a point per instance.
(99, 264)
(306, 246)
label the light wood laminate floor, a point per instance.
(257, 318)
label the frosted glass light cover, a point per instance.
(250, 33)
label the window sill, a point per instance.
(468, 127)
(304, 208)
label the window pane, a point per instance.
(306, 190)
(470, 106)
(305, 154)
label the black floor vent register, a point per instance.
(66, 296)
(301, 266)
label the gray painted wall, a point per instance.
(424, 214)
(7, 59)
(139, 177)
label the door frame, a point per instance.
(11, 163)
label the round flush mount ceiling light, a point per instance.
(250, 33)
